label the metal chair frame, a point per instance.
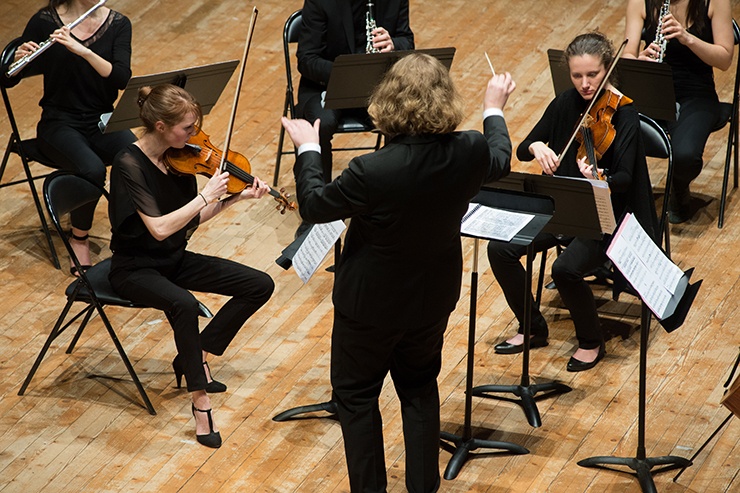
(348, 124)
(27, 150)
(63, 192)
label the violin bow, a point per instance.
(603, 84)
(224, 155)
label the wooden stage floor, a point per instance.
(75, 430)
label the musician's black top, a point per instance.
(138, 185)
(691, 76)
(625, 159)
(71, 84)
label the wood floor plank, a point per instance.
(76, 430)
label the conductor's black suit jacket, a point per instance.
(328, 32)
(402, 257)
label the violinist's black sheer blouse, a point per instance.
(138, 185)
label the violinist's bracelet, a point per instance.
(204, 198)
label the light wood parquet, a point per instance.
(75, 433)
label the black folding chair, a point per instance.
(347, 124)
(64, 192)
(27, 150)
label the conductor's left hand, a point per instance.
(300, 131)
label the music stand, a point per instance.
(542, 209)
(648, 84)
(575, 214)
(641, 464)
(354, 77)
(205, 83)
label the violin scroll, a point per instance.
(284, 202)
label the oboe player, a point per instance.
(83, 71)
(330, 29)
(699, 37)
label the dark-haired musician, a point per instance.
(699, 37)
(83, 71)
(588, 57)
(330, 29)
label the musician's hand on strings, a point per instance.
(545, 156)
(215, 187)
(256, 190)
(25, 49)
(300, 131)
(382, 40)
(500, 86)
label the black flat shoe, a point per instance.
(212, 387)
(534, 342)
(213, 438)
(578, 365)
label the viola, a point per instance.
(200, 157)
(597, 131)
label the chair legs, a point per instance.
(58, 329)
(37, 202)
(730, 155)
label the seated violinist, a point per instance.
(623, 166)
(153, 212)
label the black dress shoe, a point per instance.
(507, 348)
(578, 365)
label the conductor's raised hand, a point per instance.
(300, 131)
(500, 86)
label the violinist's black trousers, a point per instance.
(165, 284)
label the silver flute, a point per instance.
(660, 40)
(19, 64)
(370, 26)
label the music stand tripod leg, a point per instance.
(643, 466)
(329, 407)
(526, 392)
(465, 443)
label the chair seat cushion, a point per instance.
(97, 275)
(351, 123)
(33, 153)
(725, 113)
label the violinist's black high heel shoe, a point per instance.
(212, 387)
(213, 438)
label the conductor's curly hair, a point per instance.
(416, 97)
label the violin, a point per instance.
(597, 131)
(201, 157)
(606, 131)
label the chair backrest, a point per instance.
(657, 143)
(6, 58)
(65, 192)
(291, 31)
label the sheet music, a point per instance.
(659, 281)
(314, 248)
(603, 199)
(494, 224)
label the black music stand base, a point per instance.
(643, 467)
(464, 446)
(524, 390)
(640, 464)
(527, 396)
(329, 407)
